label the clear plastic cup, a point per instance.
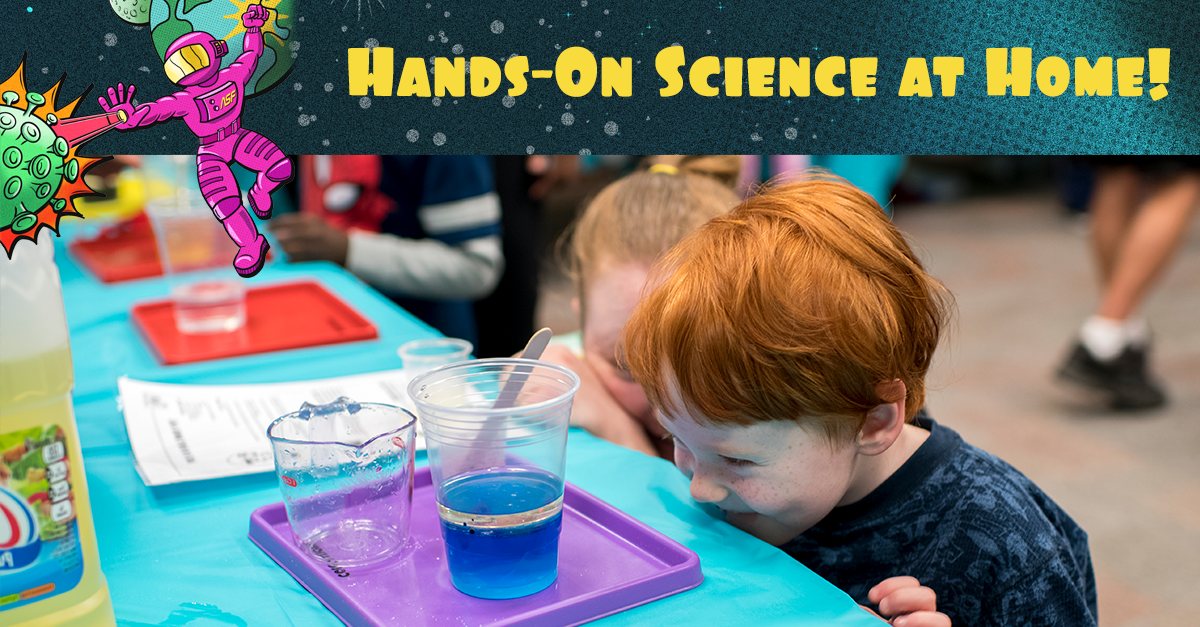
(215, 305)
(346, 473)
(496, 431)
(421, 355)
(190, 238)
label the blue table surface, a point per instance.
(179, 554)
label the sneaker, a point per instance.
(1124, 378)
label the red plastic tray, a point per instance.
(121, 252)
(608, 562)
(278, 317)
(126, 251)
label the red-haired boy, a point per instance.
(785, 346)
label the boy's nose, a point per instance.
(707, 491)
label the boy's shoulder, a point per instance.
(962, 485)
(972, 484)
(989, 506)
(964, 522)
(1015, 556)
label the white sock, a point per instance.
(1104, 338)
(1137, 331)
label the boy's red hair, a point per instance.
(794, 306)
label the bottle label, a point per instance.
(40, 556)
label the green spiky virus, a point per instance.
(34, 163)
(41, 172)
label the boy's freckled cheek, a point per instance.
(683, 461)
(761, 492)
(747, 492)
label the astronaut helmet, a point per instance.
(194, 58)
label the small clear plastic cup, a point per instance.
(496, 432)
(421, 355)
(346, 473)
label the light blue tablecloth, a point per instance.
(179, 554)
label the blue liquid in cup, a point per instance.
(501, 531)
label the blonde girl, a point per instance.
(612, 246)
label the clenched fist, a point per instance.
(255, 16)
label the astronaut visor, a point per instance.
(185, 61)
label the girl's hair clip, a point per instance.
(663, 168)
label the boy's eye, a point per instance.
(623, 373)
(733, 461)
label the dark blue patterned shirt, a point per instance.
(996, 550)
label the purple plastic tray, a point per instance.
(607, 562)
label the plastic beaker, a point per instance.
(421, 355)
(346, 473)
(496, 432)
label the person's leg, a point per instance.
(1154, 235)
(1132, 249)
(1111, 207)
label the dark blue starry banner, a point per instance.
(615, 77)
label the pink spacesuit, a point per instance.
(211, 105)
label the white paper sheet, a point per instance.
(189, 432)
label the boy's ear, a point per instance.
(575, 305)
(885, 422)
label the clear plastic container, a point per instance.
(346, 473)
(496, 431)
(49, 564)
(421, 355)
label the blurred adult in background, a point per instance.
(425, 230)
(1140, 211)
(506, 318)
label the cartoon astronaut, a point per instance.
(211, 105)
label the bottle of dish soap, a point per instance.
(49, 564)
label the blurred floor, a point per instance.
(1023, 278)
